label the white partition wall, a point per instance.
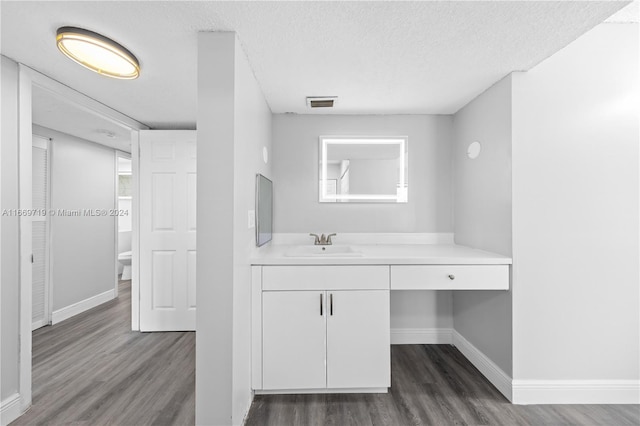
(10, 396)
(234, 125)
(575, 223)
(482, 217)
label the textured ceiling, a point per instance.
(378, 57)
(628, 14)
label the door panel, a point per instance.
(294, 335)
(167, 230)
(163, 278)
(163, 201)
(358, 347)
(191, 278)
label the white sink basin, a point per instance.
(323, 251)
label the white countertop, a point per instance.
(386, 254)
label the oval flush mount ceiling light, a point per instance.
(97, 53)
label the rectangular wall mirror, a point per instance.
(363, 169)
(264, 210)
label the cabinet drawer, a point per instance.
(367, 277)
(449, 277)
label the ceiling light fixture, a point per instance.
(97, 53)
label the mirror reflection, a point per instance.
(363, 169)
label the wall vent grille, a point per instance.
(321, 101)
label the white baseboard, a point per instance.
(368, 238)
(576, 392)
(83, 305)
(421, 336)
(319, 391)
(37, 324)
(239, 419)
(525, 391)
(488, 368)
(10, 409)
(246, 411)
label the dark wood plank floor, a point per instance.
(92, 369)
(431, 385)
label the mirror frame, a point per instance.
(401, 141)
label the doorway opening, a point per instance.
(72, 124)
(40, 232)
(124, 213)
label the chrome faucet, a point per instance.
(322, 240)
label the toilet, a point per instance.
(125, 259)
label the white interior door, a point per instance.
(40, 233)
(167, 230)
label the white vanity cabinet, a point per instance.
(321, 328)
(320, 321)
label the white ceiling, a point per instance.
(57, 113)
(378, 57)
(627, 14)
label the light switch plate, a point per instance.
(252, 219)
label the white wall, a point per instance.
(297, 210)
(482, 206)
(82, 248)
(234, 123)
(295, 175)
(373, 176)
(575, 205)
(252, 128)
(215, 212)
(9, 260)
(417, 311)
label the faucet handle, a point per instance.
(329, 238)
(317, 241)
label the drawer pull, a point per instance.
(331, 304)
(452, 277)
(320, 304)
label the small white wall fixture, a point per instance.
(473, 151)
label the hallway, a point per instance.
(92, 369)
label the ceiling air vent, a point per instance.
(321, 101)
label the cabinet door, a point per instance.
(294, 339)
(358, 347)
